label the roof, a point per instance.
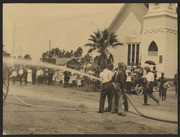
(138, 9)
(73, 63)
(63, 61)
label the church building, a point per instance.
(149, 32)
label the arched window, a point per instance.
(153, 46)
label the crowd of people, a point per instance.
(40, 75)
(33, 75)
(115, 83)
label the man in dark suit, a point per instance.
(66, 78)
(34, 75)
(119, 92)
(25, 73)
(50, 76)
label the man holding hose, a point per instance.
(106, 77)
(119, 91)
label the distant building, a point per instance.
(149, 32)
(69, 62)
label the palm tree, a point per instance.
(100, 41)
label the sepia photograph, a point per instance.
(90, 68)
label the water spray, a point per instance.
(12, 61)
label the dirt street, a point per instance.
(70, 111)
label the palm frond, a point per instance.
(117, 44)
(97, 34)
(93, 40)
(105, 34)
(93, 37)
(90, 45)
(112, 41)
(90, 50)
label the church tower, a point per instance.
(159, 37)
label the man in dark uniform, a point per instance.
(46, 76)
(34, 70)
(50, 76)
(25, 73)
(66, 78)
(119, 92)
(106, 80)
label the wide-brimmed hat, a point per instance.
(110, 66)
(147, 68)
(121, 65)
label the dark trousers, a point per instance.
(117, 102)
(66, 82)
(20, 78)
(46, 80)
(39, 80)
(25, 80)
(34, 80)
(149, 92)
(160, 92)
(106, 90)
(164, 93)
(50, 81)
(126, 107)
(128, 86)
(14, 79)
(176, 90)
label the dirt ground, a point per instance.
(70, 111)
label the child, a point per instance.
(163, 87)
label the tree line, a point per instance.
(56, 52)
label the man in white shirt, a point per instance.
(106, 77)
(149, 86)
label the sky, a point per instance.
(29, 27)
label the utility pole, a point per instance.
(49, 45)
(21, 51)
(13, 40)
(49, 48)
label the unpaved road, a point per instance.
(70, 111)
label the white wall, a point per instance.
(159, 38)
(124, 33)
(171, 54)
(162, 30)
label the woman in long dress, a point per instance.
(29, 76)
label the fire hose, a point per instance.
(149, 117)
(67, 69)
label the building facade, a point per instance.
(148, 33)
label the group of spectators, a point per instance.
(41, 75)
(33, 75)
